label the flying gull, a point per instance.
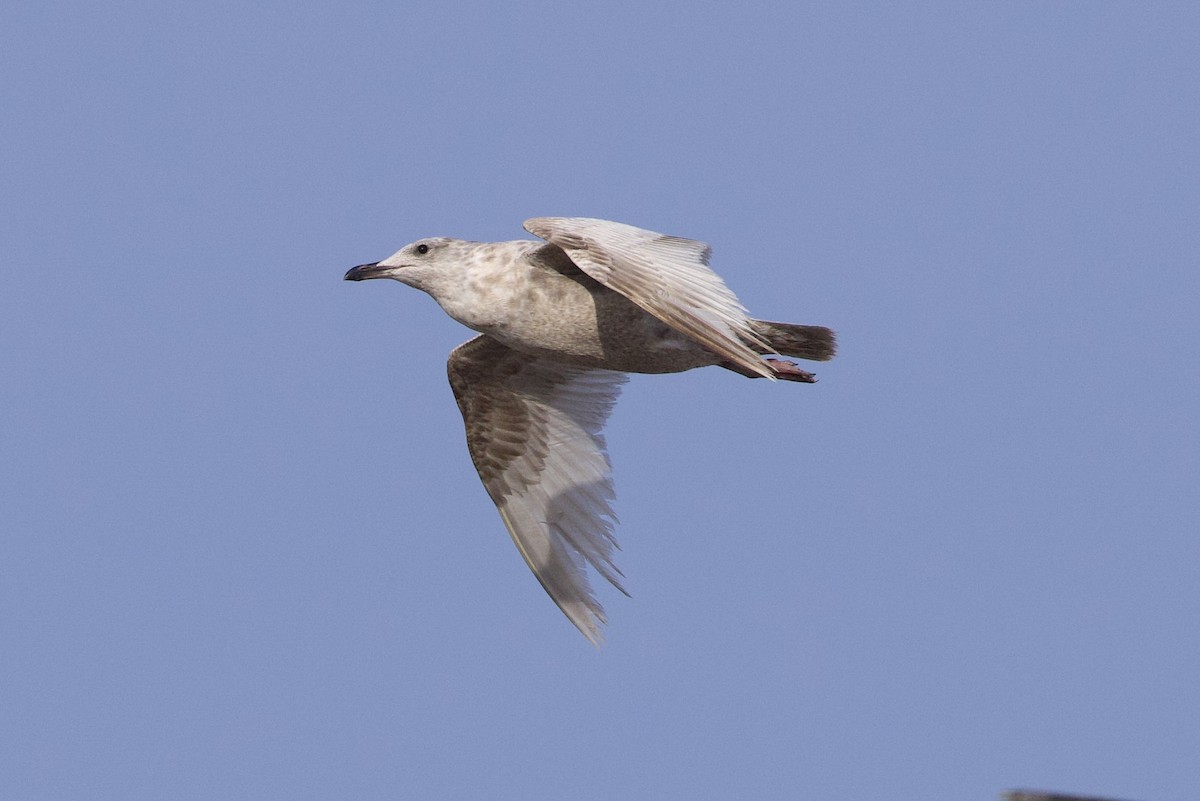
(560, 324)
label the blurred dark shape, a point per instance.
(1039, 795)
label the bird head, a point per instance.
(423, 264)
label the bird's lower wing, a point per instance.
(668, 276)
(534, 432)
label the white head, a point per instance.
(427, 264)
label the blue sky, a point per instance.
(245, 555)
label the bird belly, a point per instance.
(611, 333)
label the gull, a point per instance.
(560, 323)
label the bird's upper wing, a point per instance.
(666, 275)
(533, 430)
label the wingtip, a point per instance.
(589, 619)
(538, 225)
(587, 623)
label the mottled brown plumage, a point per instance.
(560, 324)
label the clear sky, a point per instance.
(244, 553)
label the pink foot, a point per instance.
(788, 371)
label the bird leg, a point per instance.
(788, 371)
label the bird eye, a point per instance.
(422, 248)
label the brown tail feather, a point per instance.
(814, 342)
